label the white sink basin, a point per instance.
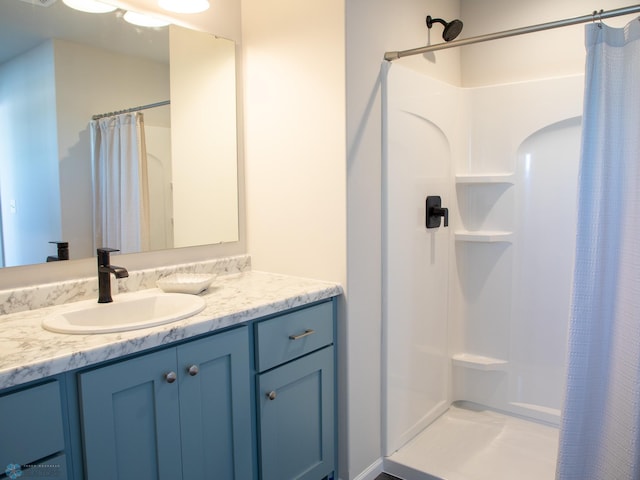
(128, 311)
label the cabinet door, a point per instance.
(215, 408)
(31, 425)
(130, 419)
(296, 406)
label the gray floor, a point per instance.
(386, 476)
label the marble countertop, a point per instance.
(28, 352)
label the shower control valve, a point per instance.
(435, 211)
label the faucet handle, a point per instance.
(107, 250)
(103, 255)
(435, 211)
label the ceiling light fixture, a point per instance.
(143, 20)
(90, 6)
(184, 6)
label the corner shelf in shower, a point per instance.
(485, 179)
(478, 362)
(484, 236)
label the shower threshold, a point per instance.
(469, 443)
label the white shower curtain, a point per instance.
(600, 431)
(120, 185)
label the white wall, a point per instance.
(551, 53)
(295, 136)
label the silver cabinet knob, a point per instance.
(271, 395)
(170, 377)
(193, 370)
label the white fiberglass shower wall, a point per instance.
(478, 311)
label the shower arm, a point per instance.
(431, 21)
(593, 17)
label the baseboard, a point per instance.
(403, 471)
(372, 471)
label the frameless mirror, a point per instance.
(58, 68)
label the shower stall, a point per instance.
(476, 314)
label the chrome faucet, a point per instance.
(105, 269)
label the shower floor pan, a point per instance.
(467, 443)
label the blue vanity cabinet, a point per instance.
(179, 413)
(32, 431)
(295, 388)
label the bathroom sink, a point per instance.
(128, 311)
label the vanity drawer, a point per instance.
(31, 424)
(292, 335)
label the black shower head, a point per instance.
(451, 29)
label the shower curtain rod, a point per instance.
(593, 17)
(132, 109)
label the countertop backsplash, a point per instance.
(59, 293)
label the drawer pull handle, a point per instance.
(170, 377)
(306, 333)
(271, 395)
(193, 370)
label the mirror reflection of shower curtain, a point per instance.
(120, 186)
